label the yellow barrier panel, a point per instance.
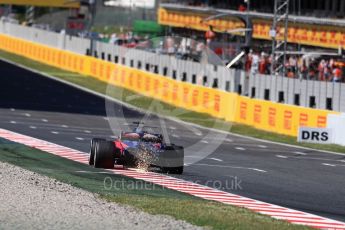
(264, 115)
(283, 119)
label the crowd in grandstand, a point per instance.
(254, 63)
(297, 67)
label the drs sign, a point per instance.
(315, 135)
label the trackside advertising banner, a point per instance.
(264, 115)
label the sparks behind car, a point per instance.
(132, 148)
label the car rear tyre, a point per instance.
(104, 154)
(93, 149)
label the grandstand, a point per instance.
(315, 36)
(314, 26)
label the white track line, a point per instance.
(281, 156)
(300, 153)
(229, 166)
(240, 148)
(215, 159)
(326, 164)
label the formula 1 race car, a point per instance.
(137, 148)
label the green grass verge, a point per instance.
(149, 198)
(140, 101)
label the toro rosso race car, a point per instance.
(136, 148)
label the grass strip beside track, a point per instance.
(145, 102)
(150, 198)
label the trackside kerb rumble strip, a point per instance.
(207, 193)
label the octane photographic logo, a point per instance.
(109, 183)
(166, 56)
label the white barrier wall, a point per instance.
(307, 93)
(337, 124)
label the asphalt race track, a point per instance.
(305, 180)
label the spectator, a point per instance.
(327, 71)
(331, 63)
(248, 62)
(303, 68)
(263, 64)
(311, 72)
(269, 64)
(337, 74)
(242, 8)
(113, 38)
(293, 64)
(255, 64)
(320, 68)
